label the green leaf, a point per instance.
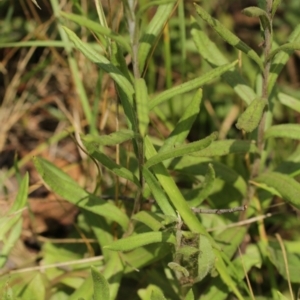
(206, 258)
(110, 164)
(210, 52)
(207, 187)
(11, 222)
(9, 238)
(281, 59)
(114, 138)
(191, 166)
(293, 259)
(35, 289)
(188, 217)
(287, 187)
(228, 36)
(190, 85)
(181, 150)
(251, 117)
(187, 251)
(158, 193)
(190, 295)
(96, 27)
(225, 147)
(69, 189)
(291, 131)
(157, 294)
(152, 32)
(275, 5)
(254, 11)
(139, 240)
(101, 286)
(142, 102)
(184, 125)
(288, 47)
(103, 62)
(289, 101)
(148, 218)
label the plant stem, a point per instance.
(257, 167)
(130, 6)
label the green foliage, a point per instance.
(165, 155)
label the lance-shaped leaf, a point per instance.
(254, 11)
(184, 125)
(275, 5)
(281, 59)
(190, 85)
(210, 52)
(11, 221)
(112, 139)
(207, 186)
(152, 32)
(206, 258)
(109, 164)
(288, 47)
(101, 286)
(251, 117)
(181, 150)
(225, 147)
(228, 36)
(158, 193)
(150, 219)
(96, 27)
(291, 131)
(289, 101)
(139, 240)
(103, 62)
(287, 187)
(66, 187)
(142, 102)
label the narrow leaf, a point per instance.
(103, 62)
(181, 150)
(190, 295)
(158, 193)
(291, 131)
(281, 59)
(228, 36)
(150, 219)
(152, 32)
(225, 147)
(157, 294)
(289, 101)
(96, 27)
(190, 85)
(251, 117)
(67, 188)
(101, 286)
(275, 5)
(207, 187)
(184, 125)
(210, 52)
(112, 139)
(110, 164)
(142, 102)
(206, 258)
(254, 11)
(288, 47)
(142, 239)
(293, 259)
(288, 188)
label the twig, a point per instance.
(218, 211)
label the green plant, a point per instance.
(232, 172)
